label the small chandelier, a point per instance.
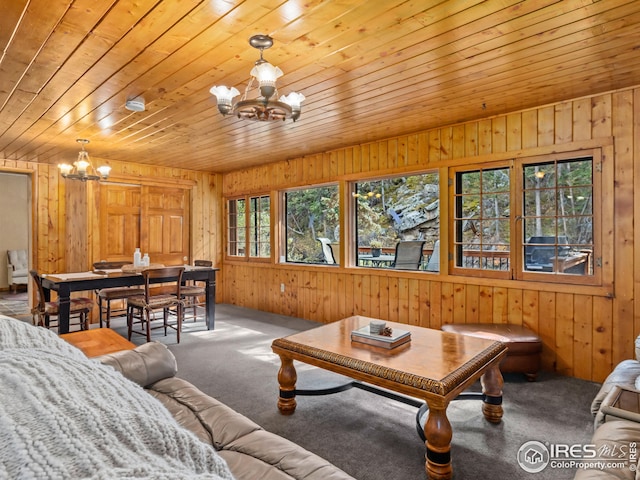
(82, 169)
(261, 108)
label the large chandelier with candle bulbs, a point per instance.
(82, 169)
(266, 105)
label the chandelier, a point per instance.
(261, 108)
(82, 169)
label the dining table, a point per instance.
(65, 283)
(382, 260)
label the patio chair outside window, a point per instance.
(408, 255)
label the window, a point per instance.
(313, 225)
(398, 213)
(530, 219)
(249, 230)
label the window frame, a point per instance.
(352, 205)
(247, 228)
(283, 213)
(601, 221)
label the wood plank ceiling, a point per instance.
(369, 70)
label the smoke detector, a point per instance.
(135, 104)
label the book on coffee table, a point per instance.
(398, 337)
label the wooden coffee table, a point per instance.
(98, 341)
(434, 366)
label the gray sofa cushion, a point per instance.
(144, 365)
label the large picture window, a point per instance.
(528, 219)
(249, 229)
(313, 225)
(398, 222)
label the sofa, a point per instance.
(616, 436)
(126, 415)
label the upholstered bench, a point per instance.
(524, 346)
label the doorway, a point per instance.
(15, 234)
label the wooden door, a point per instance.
(120, 208)
(164, 232)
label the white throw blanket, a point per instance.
(63, 416)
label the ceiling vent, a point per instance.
(135, 104)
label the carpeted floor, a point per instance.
(14, 304)
(368, 436)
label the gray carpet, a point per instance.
(368, 436)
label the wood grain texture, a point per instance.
(584, 332)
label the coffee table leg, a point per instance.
(437, 430)
(287, 378)
(492, 383)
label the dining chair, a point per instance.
(79, 308)
(408, 255)
(143, 308)
(194, 292)
(106, 296)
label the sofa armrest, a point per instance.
(145, 364)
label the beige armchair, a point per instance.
(17, 268)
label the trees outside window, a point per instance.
(249, 229)
(392, 210)
(527, 218)
(312, 225)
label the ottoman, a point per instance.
(524, 346)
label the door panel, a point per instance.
(165, 225)
(119, 221)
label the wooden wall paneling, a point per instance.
(421, 146)
(484, 137)
(394, 299)
(458, 141)
(564, 334)
(485, 304)
(471, 139)
(410, 150)
(514, 302)
(546, 126)
(339, 159)
(375, 298)
(459, 303)
(365, 296)
(424, 303)
(582, 119)
(530, 310)
(529, 129)
(601, 356)
(636, 210)
(58, 230)
(500, 305)
(563, 123)
(547, 329)
(383, 293)
(583, 337)
(414, 304)
(499, 135)
(403, 300)
(622, 123)
(472, 303)
(76, 221)
(433, 154)
(446, 302)
(446, 144)
(435, 305)
(514, 132)
(435, 299)
(357, 158)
